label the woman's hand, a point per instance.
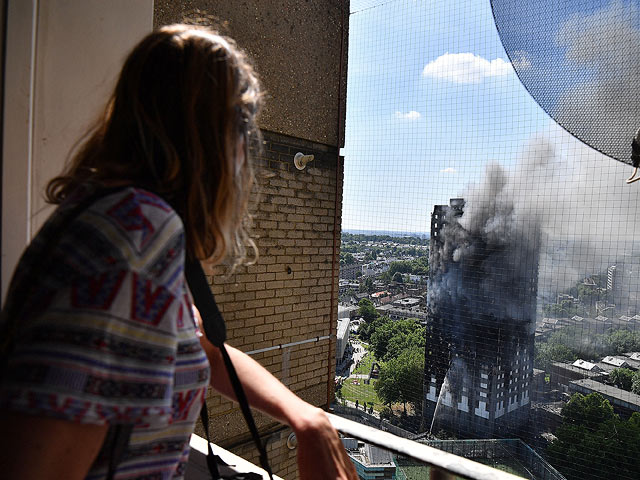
(321, 455)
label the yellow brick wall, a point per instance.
(290, 294)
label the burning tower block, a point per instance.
(481, 321)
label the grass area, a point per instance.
(411, 470)
(364, 368)
(360, 392)
(414, 472)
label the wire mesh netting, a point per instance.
(579, 60)
(489, 267)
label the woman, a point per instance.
(98, 323)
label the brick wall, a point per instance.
(290, 294)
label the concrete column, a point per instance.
(63, 57)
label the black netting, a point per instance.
(579, 60)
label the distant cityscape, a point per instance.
(498, 359)
(391, 233)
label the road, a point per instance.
(358, 354)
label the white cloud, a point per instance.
(465, 68)
(411, 115)
(448, 170)
(521, 59)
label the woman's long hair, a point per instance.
(179, 124)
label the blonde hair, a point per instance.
(179, 123)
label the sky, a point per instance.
(433, 99)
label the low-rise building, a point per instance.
(633, 359)
(610, 362)
(351, 272)
(344, 285)
(561, 374)
(623, 402)
(347, 312)
(342, 337)
(408, 302)
(371, 462)
(395, 313)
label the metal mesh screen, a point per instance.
(579, 60)
(490, 276)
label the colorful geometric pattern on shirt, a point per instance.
(114, 345)
(97, 291)
(83, 251)
(129, 214)
(100, 341)
(149, 302)
(167, 257)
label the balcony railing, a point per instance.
(197, 468)
(441, 465)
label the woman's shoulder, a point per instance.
(124, 229)
(133, 228)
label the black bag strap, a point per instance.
(212, 459)
(212, 321)
(119, 439)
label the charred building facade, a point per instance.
(481, 321)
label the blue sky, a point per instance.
(431, 100)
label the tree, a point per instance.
(366, 285)
(622, 341)
(622, 378)
(346, 258)
(371, 319)
(398, 278)
(553, 351)
(594, 443)
(391, 338)
(372, 328)
(588, 410)
(405, 341)
(401, 379)
(635, 385)
(367, 310)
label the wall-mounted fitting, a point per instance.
(300, 160)
(292, 441)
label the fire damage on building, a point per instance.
(481, 320)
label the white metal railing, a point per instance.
(443, 465)
(289, 345)
(197, 468)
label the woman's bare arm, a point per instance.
(320, 451)
(42, 448)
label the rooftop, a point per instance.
(615, 395)
(616, 362)
(584, 365)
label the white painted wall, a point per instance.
(63, 57)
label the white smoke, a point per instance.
(588, 217)
(571, 195)
(602, 55)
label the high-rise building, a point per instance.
(480, 327)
